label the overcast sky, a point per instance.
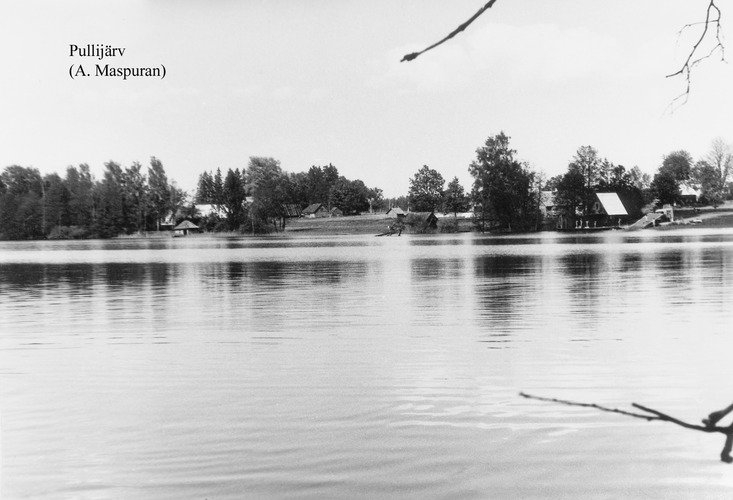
(313, 82)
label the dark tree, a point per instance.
(21, 203)
(80, 184)
(588, 164)
(502, 188)
(352, 197)
(426, 190)
(110, 219)
(678, 164)
(666, 188)
(455, 198)
(55, 202)
(676, 169)
(233, 198)
(205, 189)
(159, 191)
(218, 188)
(297, 189)
(135, 194)
(264, 179)
(571, 191)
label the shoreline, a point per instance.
(377, 224)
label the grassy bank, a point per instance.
(710, 217)
(357, 224)
(377, 223)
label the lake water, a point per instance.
(361, 367)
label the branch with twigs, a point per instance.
(651, 414)
(712, 19)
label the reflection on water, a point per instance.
(362, 367)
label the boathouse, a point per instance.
(421, 222)
(184, 227)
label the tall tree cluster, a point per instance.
(260, 197)
(227, 194)
(674, 171)
(428, 194)
(124, 201)
(588, 174)
(711, 175)
(503, 192)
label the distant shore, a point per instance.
(378, 223)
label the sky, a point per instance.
(313, 82)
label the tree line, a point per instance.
(710, 175)
(124, 201)
(505, 194)
(129, 200)
(508, 195)
(261, 197)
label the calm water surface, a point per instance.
(362, 367)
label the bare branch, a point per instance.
(693, 58)
(712, 19)
(709, 426)
(666, 418)
(589, 405)
(413, 55)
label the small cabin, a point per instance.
(315, 210)
(184, 227)
(336, 212)
(396, 213)
(421, 221)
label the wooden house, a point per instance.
(315, 210)
(421, 221)
(607, 210)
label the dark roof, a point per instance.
(313, 208)
(292, 210)
(428, 217)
